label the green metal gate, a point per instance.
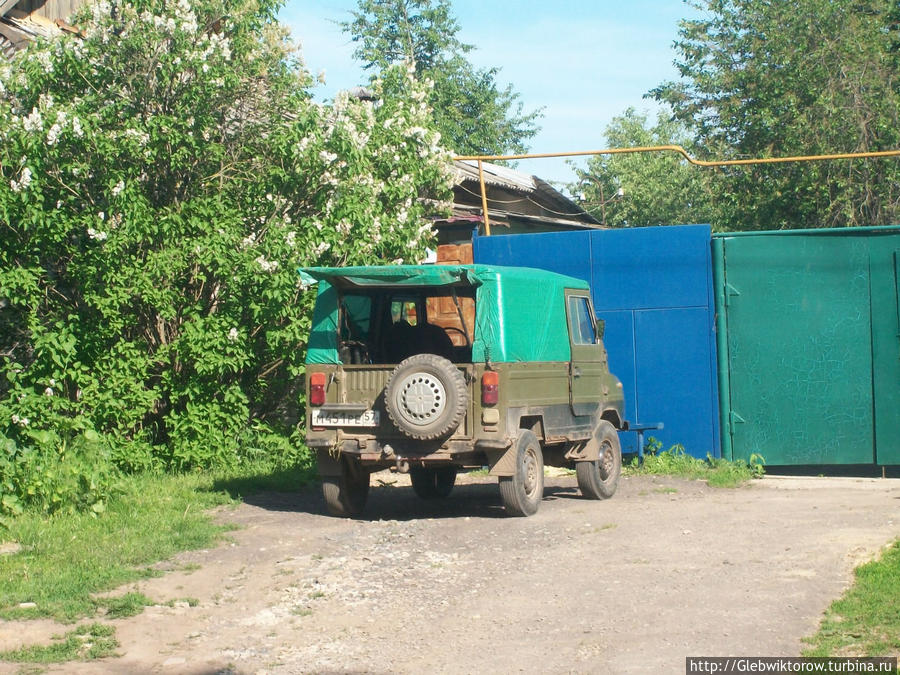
(809, 345)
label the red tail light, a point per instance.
(490, 388)
(317, 389)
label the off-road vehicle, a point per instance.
(434, 369)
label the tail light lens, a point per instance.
(490, 388)
(317, 389)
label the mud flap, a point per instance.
(502, 461)
(589, 450)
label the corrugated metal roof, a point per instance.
(494, 174)
(535, 190)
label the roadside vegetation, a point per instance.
(63, 562)
(866, 620)
(676, 462)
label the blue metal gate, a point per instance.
(653, 288)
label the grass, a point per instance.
(93, 641)
(67, 559)
(676, 462)
(866, 620)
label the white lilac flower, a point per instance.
(96, 235)
(327, 157)
(233, 335)
(53, 134)
(33, 122)
(23, 182)
(267, 265)
(48, 392)
(76, 127)
(117, 188)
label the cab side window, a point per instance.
(581, 323)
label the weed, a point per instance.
(93, 641)
(123, 606)
(865, 621)
(676, 462)
(483, 471)
(666, 490)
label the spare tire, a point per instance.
(426, 397)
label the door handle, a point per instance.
(576, 372)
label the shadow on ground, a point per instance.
(392, 502)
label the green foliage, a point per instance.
(767, 79)
(675, 461)
(635, 190)
(92, 641)
(865, 621)
(162, 176)
(472, 112)
(49, 470)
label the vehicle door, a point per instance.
(588, 366)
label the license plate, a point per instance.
(322, 417)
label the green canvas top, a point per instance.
(520, 313)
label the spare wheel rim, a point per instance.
(422, 398)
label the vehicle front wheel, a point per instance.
(523, 491)
(346, 494)
(599, 479)
(433, 483)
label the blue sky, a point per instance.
(582, 61)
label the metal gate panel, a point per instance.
(652, 267)
(653, 287)
(563, 252)
(799, 349)
(619, 341)
(885, 273)
(674, 377)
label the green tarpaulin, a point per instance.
(520, 313)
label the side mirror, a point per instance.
(601, 328)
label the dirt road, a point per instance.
(665, 569)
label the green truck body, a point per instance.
(438, 368)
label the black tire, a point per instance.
(426, 397)
(435, 483)
(599, 479)
(522, 492)
(346, 495)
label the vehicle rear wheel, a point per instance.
(599, 479)
(433, 483)
(346, 494)
(426, 397)
(523, 491)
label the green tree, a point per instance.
(766, 79)
(161, 179)
(473, 113)
(634, 190)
